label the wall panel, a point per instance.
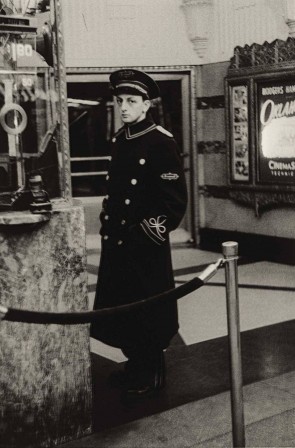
(110, 33)
(136, 32)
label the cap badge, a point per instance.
(126, 74)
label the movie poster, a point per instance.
(240, 140)
(276, 132)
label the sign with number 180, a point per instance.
(19, 50)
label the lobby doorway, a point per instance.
(93, 119)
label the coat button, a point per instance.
(127, 201)
(123, 222)
(120, 242)
(107, 196)
(107, 177)
(106, 217)
(142, 161)
(134, 181)
(106, 237)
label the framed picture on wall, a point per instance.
(239, 133)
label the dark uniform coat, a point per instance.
(146, 199)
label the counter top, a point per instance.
(19, 218)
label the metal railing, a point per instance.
(89, 159)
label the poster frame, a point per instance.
(252, 79)
(281, 177)
(236, 141)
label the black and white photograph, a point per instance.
(147, 208)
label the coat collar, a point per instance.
(138, 129)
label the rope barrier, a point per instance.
(86, 317)
(230, 251)
(248, 286)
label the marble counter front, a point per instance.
(45, 375)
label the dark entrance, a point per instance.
(93, 118)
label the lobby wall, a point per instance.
(272, 232)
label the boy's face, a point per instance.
(133, 108)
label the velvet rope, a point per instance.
(87, 317)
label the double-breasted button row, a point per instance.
(119, 242)
(127, 201)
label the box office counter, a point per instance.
(45, 393)
(45, 376)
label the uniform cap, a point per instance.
(134, 82)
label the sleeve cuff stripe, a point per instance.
(149, 235)
(155, 235)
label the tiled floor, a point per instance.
(194, 410)
(269, 418)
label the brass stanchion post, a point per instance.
(230, 253)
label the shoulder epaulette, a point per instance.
(164, 131)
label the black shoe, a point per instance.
(120, 379)
(117, 379)
(148, 383)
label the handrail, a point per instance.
(89, 173)
(86, 159)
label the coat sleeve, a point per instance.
(169, 191)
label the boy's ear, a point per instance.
(147, 103)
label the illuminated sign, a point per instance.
(276, 132)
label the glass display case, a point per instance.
(42, 233)
(33, 125)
